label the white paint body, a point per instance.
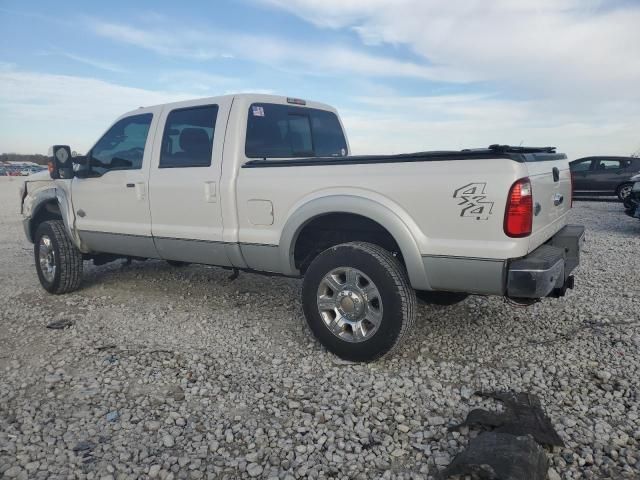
(240, 207)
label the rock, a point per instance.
(13, 472)
(253, 469)
(152, 426)
(435, 421)
(168, 441)
(553, 475)
(154, 470)
(112, 416)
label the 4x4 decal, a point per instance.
(473, 201)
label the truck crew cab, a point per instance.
(267, 184)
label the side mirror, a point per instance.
(60, 162)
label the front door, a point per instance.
(112, 205)
(184, 184)
(580, 171)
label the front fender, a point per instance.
(35, 203)
(366, 207)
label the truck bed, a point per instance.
(518, 154)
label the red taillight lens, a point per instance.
(518, 217)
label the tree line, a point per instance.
(19, 157)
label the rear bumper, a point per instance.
(547, 270)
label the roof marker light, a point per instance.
(296, 101)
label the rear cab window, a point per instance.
(284, 131)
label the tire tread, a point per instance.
(70, 259)
(400, 278)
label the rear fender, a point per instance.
(360, 206)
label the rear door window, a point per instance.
(188, 137)
(282, 131)
(604, 165)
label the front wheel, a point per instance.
(357, 301)
(58, 261)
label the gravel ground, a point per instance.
(182, 373)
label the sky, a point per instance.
(406, 75)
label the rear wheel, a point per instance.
(357, 301)
(624, 191)
(58, 261)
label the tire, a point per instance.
(177, 264)
(628, 203)
(440, 298)
(380, 308)
(623, 191)
(59, 253)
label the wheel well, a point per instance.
(332, 229)
(49, 211)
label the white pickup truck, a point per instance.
(267, 184)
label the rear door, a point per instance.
(184, 183)
(551, 186)
(112, 205)
(607, 174)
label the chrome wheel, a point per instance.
(47, 258)
(349, 304)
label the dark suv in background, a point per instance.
(604, 175)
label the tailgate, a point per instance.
(551, 186)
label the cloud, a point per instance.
(396, 124)
(316, 59)
(38, 110)
(190, 45)
(92, 62)
(545, 47)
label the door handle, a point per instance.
(130, 185)
(210, 195)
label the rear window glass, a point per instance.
(282, 131)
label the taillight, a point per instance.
(518, 217)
